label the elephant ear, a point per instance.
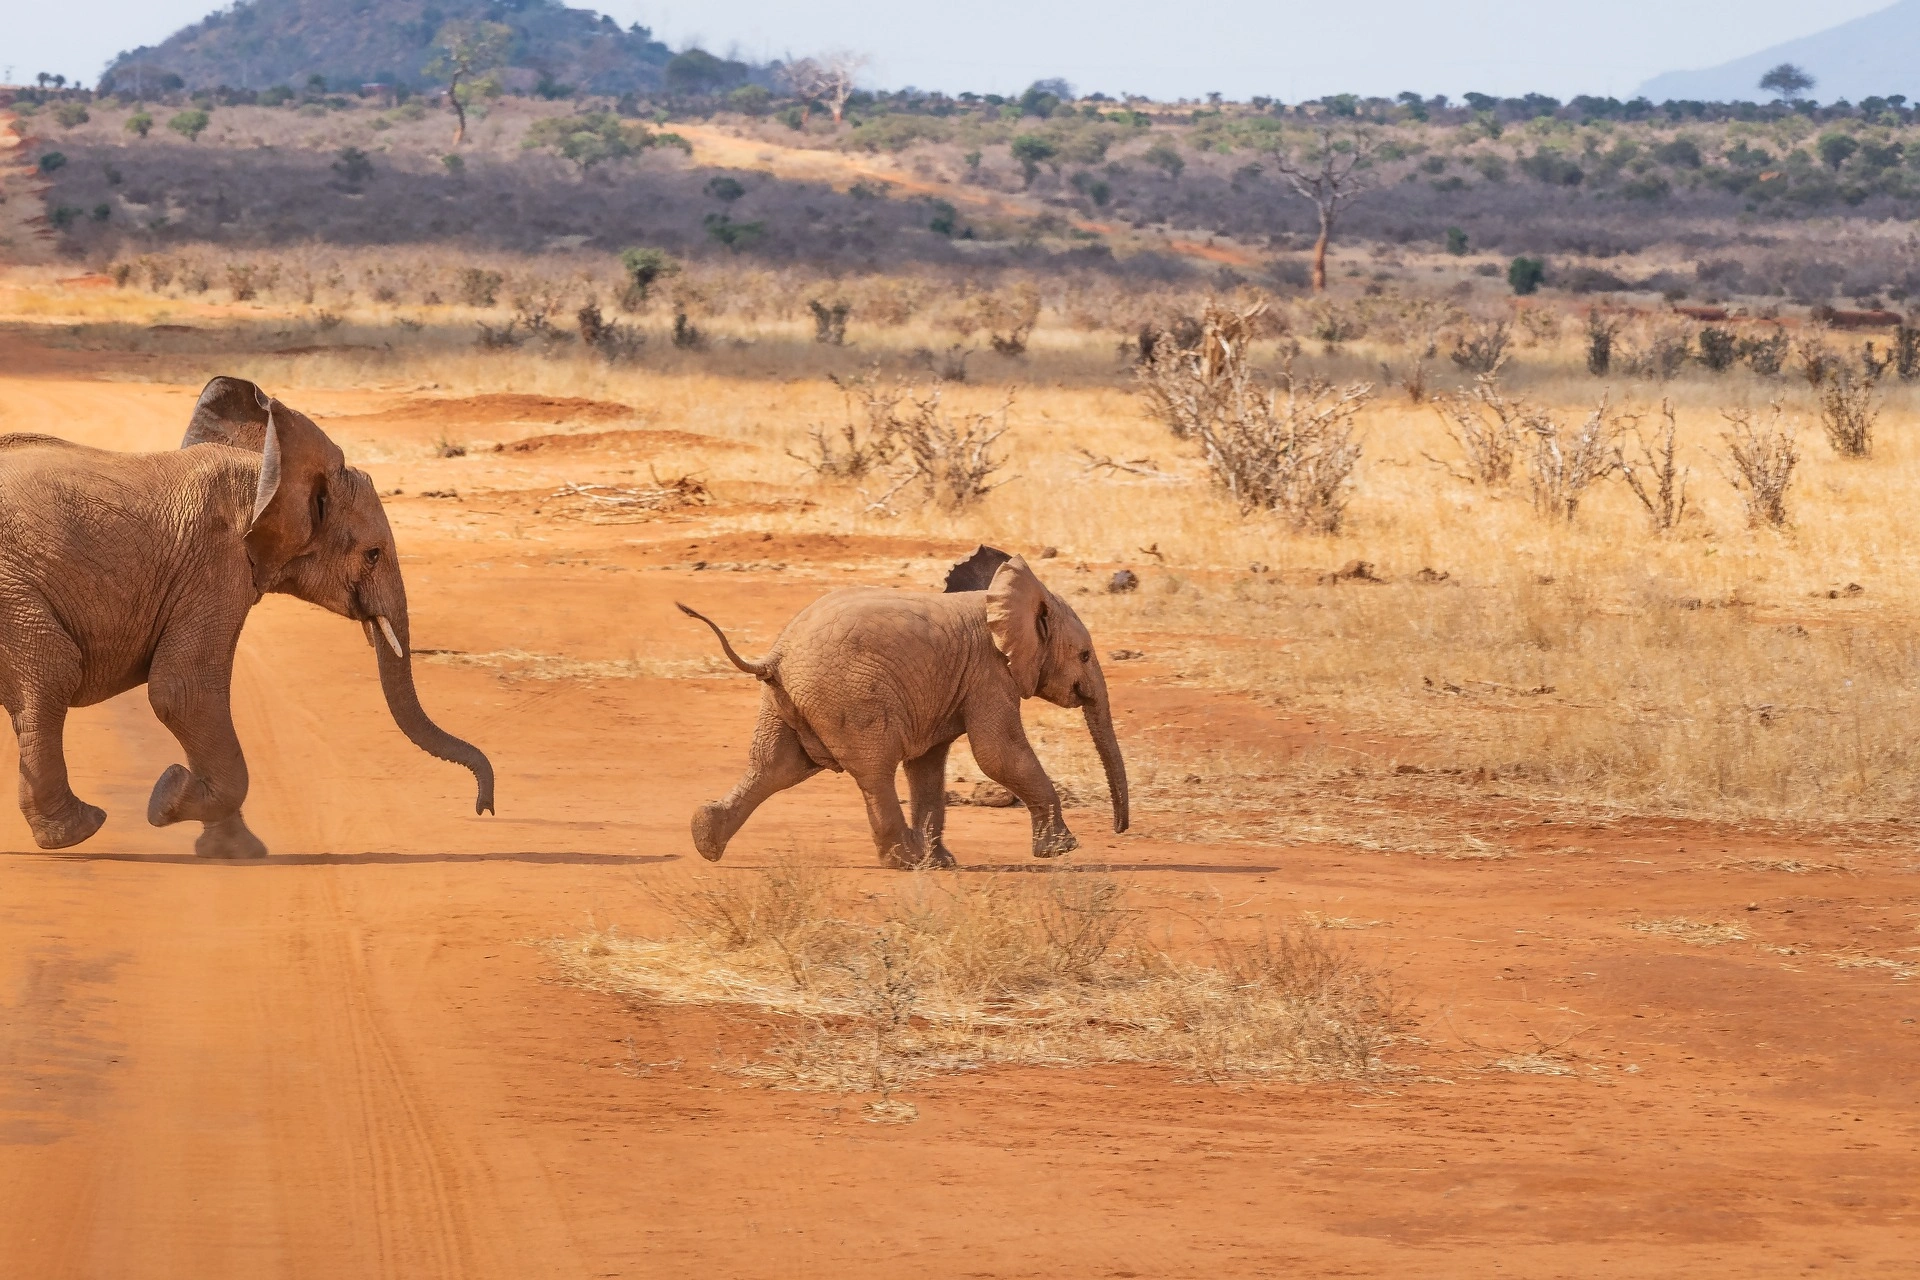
(297, 462)
(1017, 618)
(975, 573)
(231, 411)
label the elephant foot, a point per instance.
(910, 854)
(941, 858)
(709, 820)
(75, 825)
(229, 839)
(169, 798)
(1054, 843)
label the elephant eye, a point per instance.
(373, 555)
(1086, 655)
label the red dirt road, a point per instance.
(349, 1061)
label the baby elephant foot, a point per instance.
(940, 857)
(910, 854)
(73, 825)
(229, 839)
(709, 821)
(1051, 844)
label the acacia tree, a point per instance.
(1787, 81)
(469, 53)
(827, 78)
(1333, 170)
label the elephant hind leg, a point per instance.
(775, 762)
(927, 784)
(58, 818)
(899, 845)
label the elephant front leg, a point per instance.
(1001, 749)
(212, 785)
(927, 785)
(58, 818)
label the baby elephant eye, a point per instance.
(373, 555)
(1086, 655)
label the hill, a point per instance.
(1868, 56)
(264, 43)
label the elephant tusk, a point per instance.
(393, 641)
(371, 642)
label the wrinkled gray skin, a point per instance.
(863, 681)
(122, 569)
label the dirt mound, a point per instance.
(499, 409)
(618, 442)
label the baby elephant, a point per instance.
(865, 679)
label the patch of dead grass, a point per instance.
(1694, 932)
(946, 974)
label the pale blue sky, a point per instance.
(1284, 49)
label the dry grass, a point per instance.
(1053, 968)
(1695, 932)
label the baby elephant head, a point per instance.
(318, 531)
(1049, 652)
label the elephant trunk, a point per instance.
(389, 637)
(1099, 714)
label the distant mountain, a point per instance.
(257, 44)
(1878, 54)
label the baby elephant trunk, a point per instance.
(1099, 714)
(388, 635)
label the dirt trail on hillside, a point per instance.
(720, 149)
(352, 1060)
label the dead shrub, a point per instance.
(1849, 407)
(1760, 460)
(830, 322)
(1290, 448)
(1050, 969)
(949, 458)
(868, 439)
(1654, 474)
(1563, 461)
(1487, 425)
(1482, 348)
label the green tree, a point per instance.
(1032, 150)
(468, 54)
(190, 124)
(1836, 149)
(71, 115)
(645, 267)
(140, 122)
(1526, 274)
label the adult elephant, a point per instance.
(121, 569)
(865, 680)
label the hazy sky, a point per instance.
(1168, 49)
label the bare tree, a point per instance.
(828, 78)
(469, 52)
(1655, 475)
(1332, 171)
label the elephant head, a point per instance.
(318, 531)
(1048, 650)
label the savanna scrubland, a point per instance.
(1520, 683)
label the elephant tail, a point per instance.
(758, 670)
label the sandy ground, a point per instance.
(353, 1060)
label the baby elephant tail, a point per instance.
(758, 670)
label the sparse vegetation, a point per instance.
(1042, 970)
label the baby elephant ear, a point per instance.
(1017, 607)
(976, 572)
(231, 411)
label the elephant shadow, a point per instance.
(540, 857)
(1114, 868)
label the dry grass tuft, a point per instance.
(1044, 969)
(1695, 932)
